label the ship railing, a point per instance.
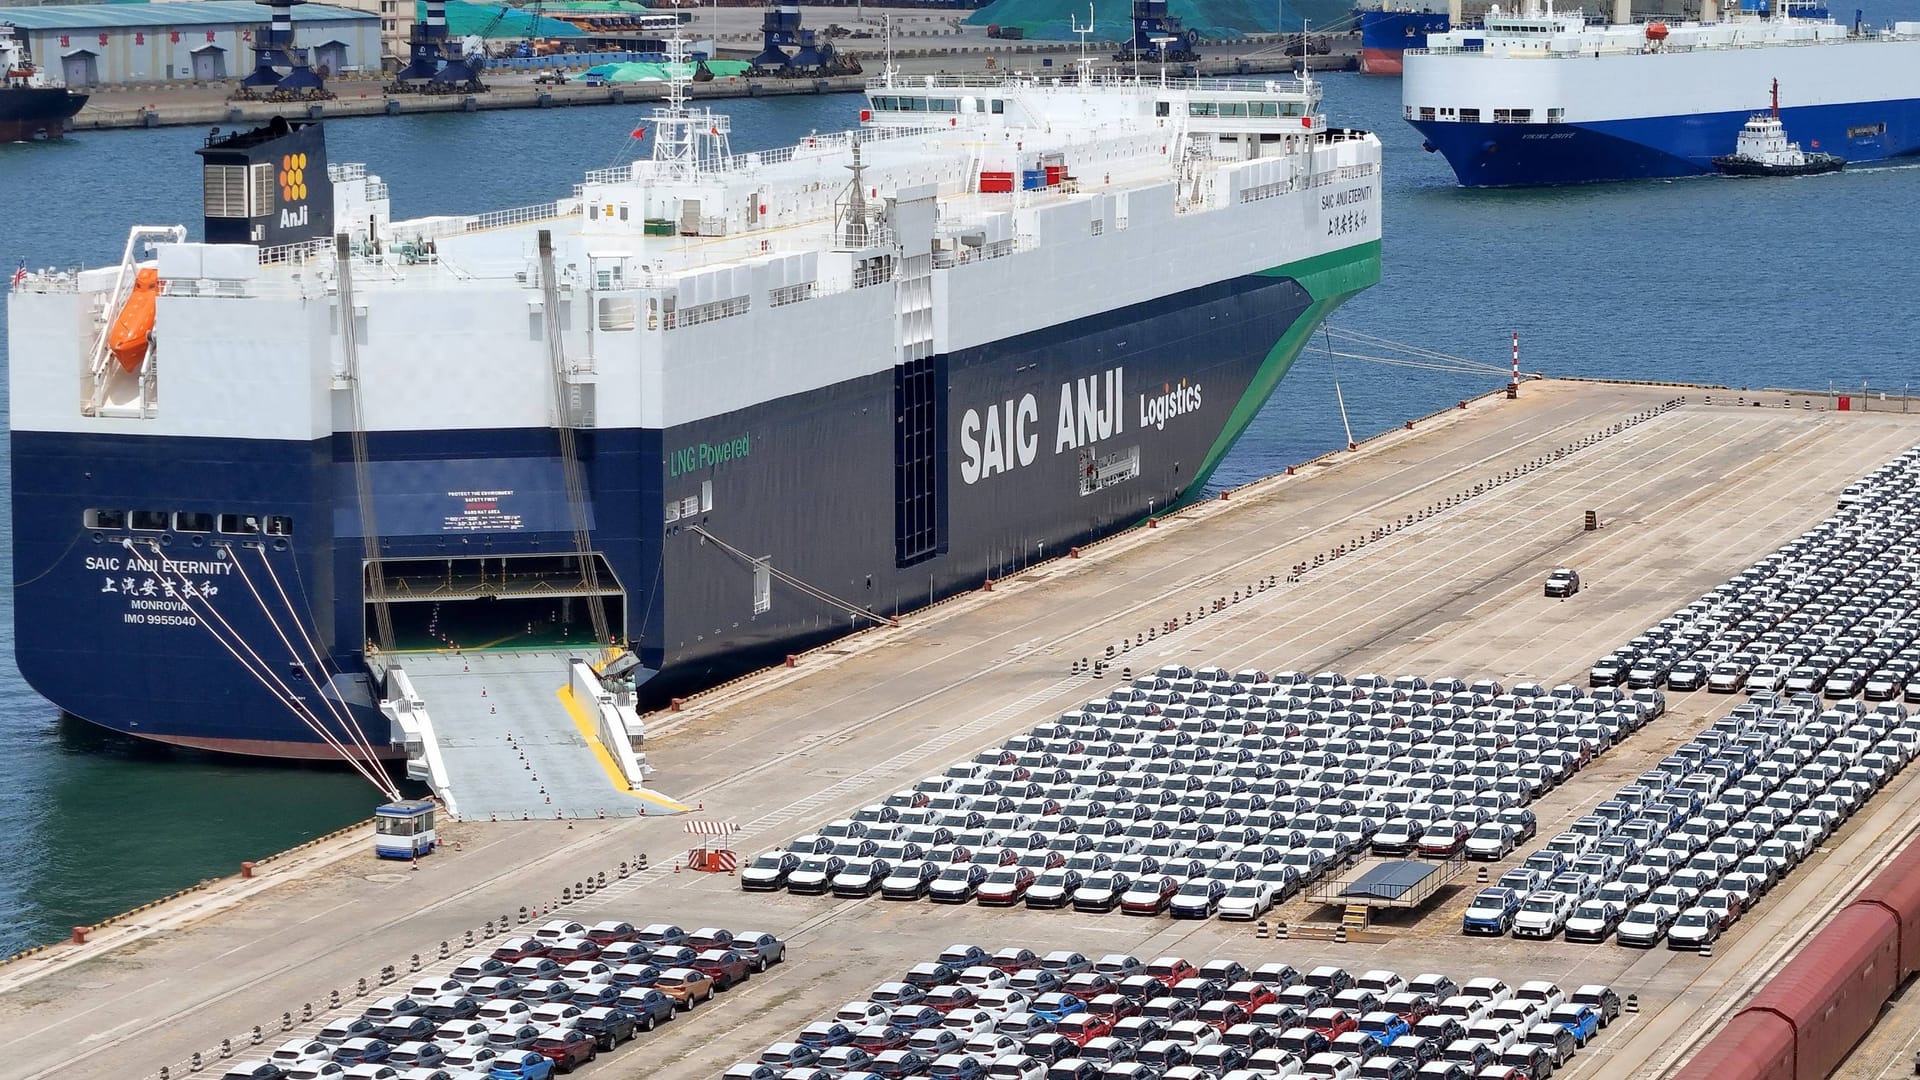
(1106, 80)
(303, 251)
(345, 172)
(519, 215)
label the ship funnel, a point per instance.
(1709, 11)
(1453, 14)
(1622, 12)
(268, 186)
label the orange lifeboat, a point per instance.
(1657, 31)
(131, 330)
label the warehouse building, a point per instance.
(206, 41)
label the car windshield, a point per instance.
(1693, 919)
(1540, 903)
(767, 862)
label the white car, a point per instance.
(1547, 993)
(300, 1052)
(1016, 1067)
(992, 1047)
(469, 1062)
(1248, 899)
(859, 1014)
(1333, 1066)
(1491, 841)
(560, 928)
(983, 977)
(461, 1033)
(1541, 915)
(500, 1010)
(970, 1022)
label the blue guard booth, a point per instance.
(404, 829)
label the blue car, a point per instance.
(1581, 1021)
(521, 1065)
(1385, 1026)
(1491, 911)
(1056, 1006)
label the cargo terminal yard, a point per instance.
(1422, 551)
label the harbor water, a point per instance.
(1801, 283)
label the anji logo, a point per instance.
(293, 177)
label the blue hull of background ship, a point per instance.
(1048, 440)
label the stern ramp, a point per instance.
(519, 734)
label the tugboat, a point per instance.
(32, 106)
(1763, 150)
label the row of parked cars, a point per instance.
(1680, 854)
(1200, 793)
(1834, 612)
(536, 1005)
(1015, 1015)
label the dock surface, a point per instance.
(1445, 533)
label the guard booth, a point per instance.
(404, 829)
(715, 854)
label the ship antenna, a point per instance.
(1776, 99)
(890, 71)
(1086, 62)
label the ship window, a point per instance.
(226, 191)
(1264, 108)
(706, 496)
(192, 521)
(1555, 116)
(1233, 108)
(616, 312)
(241, 524)
(914, 104)
(279, 525)
(1293, 108)
(948, 104)
(1469, 116)
(149, 520)
(762, 584)
(593, 212)
(623, 212)
(104, 519)
(1160, 108)
(1200, 108)
(1426, 112)
(999, 106)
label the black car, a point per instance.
(1687, 675)
(411, 1028)
(609, 1027)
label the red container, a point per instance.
(996, 181)
(1755, 1045)
(1055, 174)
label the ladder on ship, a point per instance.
(566, 415)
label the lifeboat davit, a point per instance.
(135, 324)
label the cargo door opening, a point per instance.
(495, 602)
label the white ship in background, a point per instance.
(1540, 97)
(715, 405)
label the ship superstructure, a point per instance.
(1541, 97)
(33, 104)
(714, 405)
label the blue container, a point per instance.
(1033, 179)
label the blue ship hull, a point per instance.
(1522, 155)
(815, 482)
(1386, 35)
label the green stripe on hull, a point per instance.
(1330, 279)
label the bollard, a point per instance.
(226, 1048)
(333, 999)
(306, 1009)
(246, 869)
(1340, 934)
(489, 928)
(523, 914)
(642, 862)
(1261, 930)
(566, 895)
(80, 934)
(166, 1073)
(360, 989)
(1280, 930)
(444, 951)
(194, 1064)
(1706, 951)
(1632, 1004)
(469, 939)
(416, 962)
(623, 874)
(576, 888)
(286, 1021)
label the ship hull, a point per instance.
(1650, 115)
(33, 113)
(1046, 440)
(1385, 36)
(1662, 147)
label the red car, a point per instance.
(1150, 896)
(567, 1048)
(1082, 1028)
(1445, 838)
(724, 966)
(1221, 1015)
(948, 998)
(1171, 969)
(514, 950)
(1005, 886)
(1331, 1022)
(1251, 995)
(1014, 959)
(606, 933)
(569, 949)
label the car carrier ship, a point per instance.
(713, 406)
(1536, 97)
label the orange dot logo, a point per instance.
(293, 177)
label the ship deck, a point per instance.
(1684, 499)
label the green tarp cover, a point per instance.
(464, 19)
(624, 73)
